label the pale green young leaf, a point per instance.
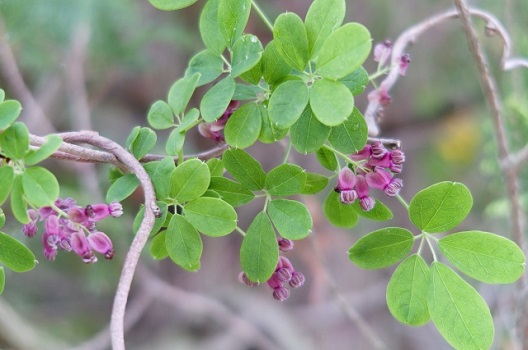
(380, 212)
(14, 141)
(356, 81)
(331, 102)
(291, 218)
(231, 191)
(2, 95)
(51, 145)
(287, 103)
(158, 221)
(132, 136)
(232, 19)
(2, 278)
(243, 127)
(274, 68)
(246, 54)
(440, 207)
(308, 134)
(326, 158)
(315, 183)
(2, 218)
(458, 311)
(189, 180)
(7, 176)
(485, 256)
(181, 91)
(210, 29)
(215, 101)
(161, 177)
(41, 187)
(269, 133)
(212, 194)
(259, 252)
(183, 243)
(337, 213)
(244, 168)
(18, 201)
(344, 51)
(285, 180)
(9, 112)
(407, 292)
(160, 115)
(144, 141)
(171, 5)
(216, 167)
(291, 41)
(175, 142)
(211, 216)
(350, 136)
(208, 64)
(189, 120)
(381, 248)
(323, 17)
(15, 255)
(158, 249)
(122, 188)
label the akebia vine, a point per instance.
(297, 89)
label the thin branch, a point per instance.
(513, 162)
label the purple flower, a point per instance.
(245, 280)
(281, 293)
(382, 52)
(345, 186)
(283, 274)
(116, 209)
(383, 180)
(30, 229)
(365, 153)
(285, 245)
(101, 243)
(297, 280)
(405, 59)
(79, 244)
(381, 96)
(206, 130)
(378, 150)
(397, 156)
(362, 188)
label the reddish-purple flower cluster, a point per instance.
(376, 168)
(213, 130)
(68, 227)
(284, 274)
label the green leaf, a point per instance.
(231, 191)
(291, 218)
(315, 183)
(189, 180)
(215, 101)
(244, 168)
(344, 51)
(381, 248)
(322, 18)
(246, 54)
(291, 40)
(485, 256)
(132, 136)
(211, 194)
(208, 64)
(259, 252)
(144, 141)
(326, 158)
(171, 5)
(287, 103)
(160, 115)
(211, 216)
(161, 177)
(274, 68)
(7, 176)
(9, 112)
(51, 145)
(356, 81)
(351, 136)
(243, 127)
(181, 91)
(158, 249)
(253, 76)
(2, 218)
(331, 101)
(2, 279)
(269, 133)
(216, 167)
(2, 95)
(18, 201)
(285, 180)
(380, 212)
(189, 120)
(158, 222)
(183, 243)
(122, 188)
(15, 255)
(40, 186)
(407, 292)
(337, 213)
(308, 134)
(14, 141)
(458, 311)
(232, 19)
(210, 29)
(175, 142)
(440, 207)
(246, 92)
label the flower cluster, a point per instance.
(68, 227)
(375, 168)
(284, 274)
(213, 130)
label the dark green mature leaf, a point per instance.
(440, 207)
(351, 136)
(9, 112)
(381, 248)
(160, 115)
(344, 51)
(315, 183)
(246, 54)
(244, 168)
(407, 292)
(210, 29)
(14, 141)
(259, 252)
(287, 103)
(181, 91)
(356, 81)
(308, 134)
(246, 92)
(243, 127)
(171, 5)
(211, 216)
(158, 222)
(274, 68)
(291, 218)
(15, 255)
(122, 188)
(18, 201)
(269, 133)
(380, 212)
(215, 101)
(458, 311)
(183, 243)
(232, 19)
(323, 17)
(285, 180)
(158, 249)
(327, 158)
(485, 256)
(161, 177)
(2, 279)
(231, 191)
(207, 63)
(189, 180)
(41, 187)
(337, 213)
(51, 145)
(7, 176)
(291, 41)
(331, 102)
(253, 76)
(142, 143)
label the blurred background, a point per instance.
(100, 65)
